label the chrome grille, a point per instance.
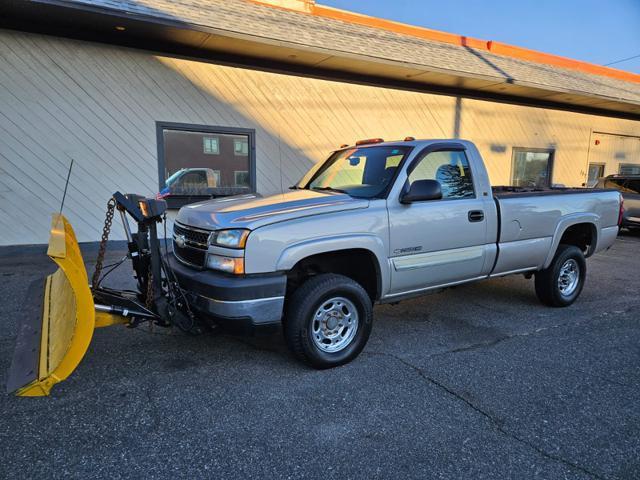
(192, 256)
(192, 248)
(191, 235)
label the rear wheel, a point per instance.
(561, 284)
(328, 321)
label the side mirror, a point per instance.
(422, 190)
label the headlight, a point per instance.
(229, 238)
(226, 264)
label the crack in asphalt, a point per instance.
(480, 345)
(600, 377)
(494, 421)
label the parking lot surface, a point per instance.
(480, 381)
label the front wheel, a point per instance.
(328, 321)
(560, 284)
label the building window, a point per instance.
(211, 145)
(532, 167)
(596, 172)
(241, 178)
(241, 147)
(450, 168)
(198, 162)
(629, 169)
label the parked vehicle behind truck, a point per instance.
(629, 188)
(380, 222)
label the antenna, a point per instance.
(64, 195)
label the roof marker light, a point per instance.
(369, 141)
(409, 139)
(344, 145)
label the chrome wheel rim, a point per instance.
(335, 324)
(569, 277)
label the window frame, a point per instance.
(235, 176)
(550, 166)
(179, 201)
(204, 145)
(241, 154)
(595, 164)
(632, 165)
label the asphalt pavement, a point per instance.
(480, 381)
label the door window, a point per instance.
(532, 167)
(192, 180)
(450, 168)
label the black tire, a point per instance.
(300, 319)
(548, 288)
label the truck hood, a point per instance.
(252, 211)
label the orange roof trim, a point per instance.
(497, 48)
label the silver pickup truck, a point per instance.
(380, 222)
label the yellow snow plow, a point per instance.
(51, 344)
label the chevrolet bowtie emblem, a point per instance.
(180, 241)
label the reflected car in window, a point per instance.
(191, 181)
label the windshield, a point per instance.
(360, 172)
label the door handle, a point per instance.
(476, 216)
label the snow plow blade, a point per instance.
(53, 340)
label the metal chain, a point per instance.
(149, 297)
(106, 229)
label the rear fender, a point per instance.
(568, 221)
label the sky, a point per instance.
(595, 31)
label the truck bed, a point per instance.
(528, 219)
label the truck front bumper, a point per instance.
(244, 302)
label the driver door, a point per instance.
(438, 242)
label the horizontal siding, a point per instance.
(63, 99)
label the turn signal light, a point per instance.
(233, 265)
(369, 141)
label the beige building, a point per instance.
(198, 98)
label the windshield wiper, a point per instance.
(330, 189)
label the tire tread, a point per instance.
(303, 299)
(545, 280)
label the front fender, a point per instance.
(567, 221)
(299, 251)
